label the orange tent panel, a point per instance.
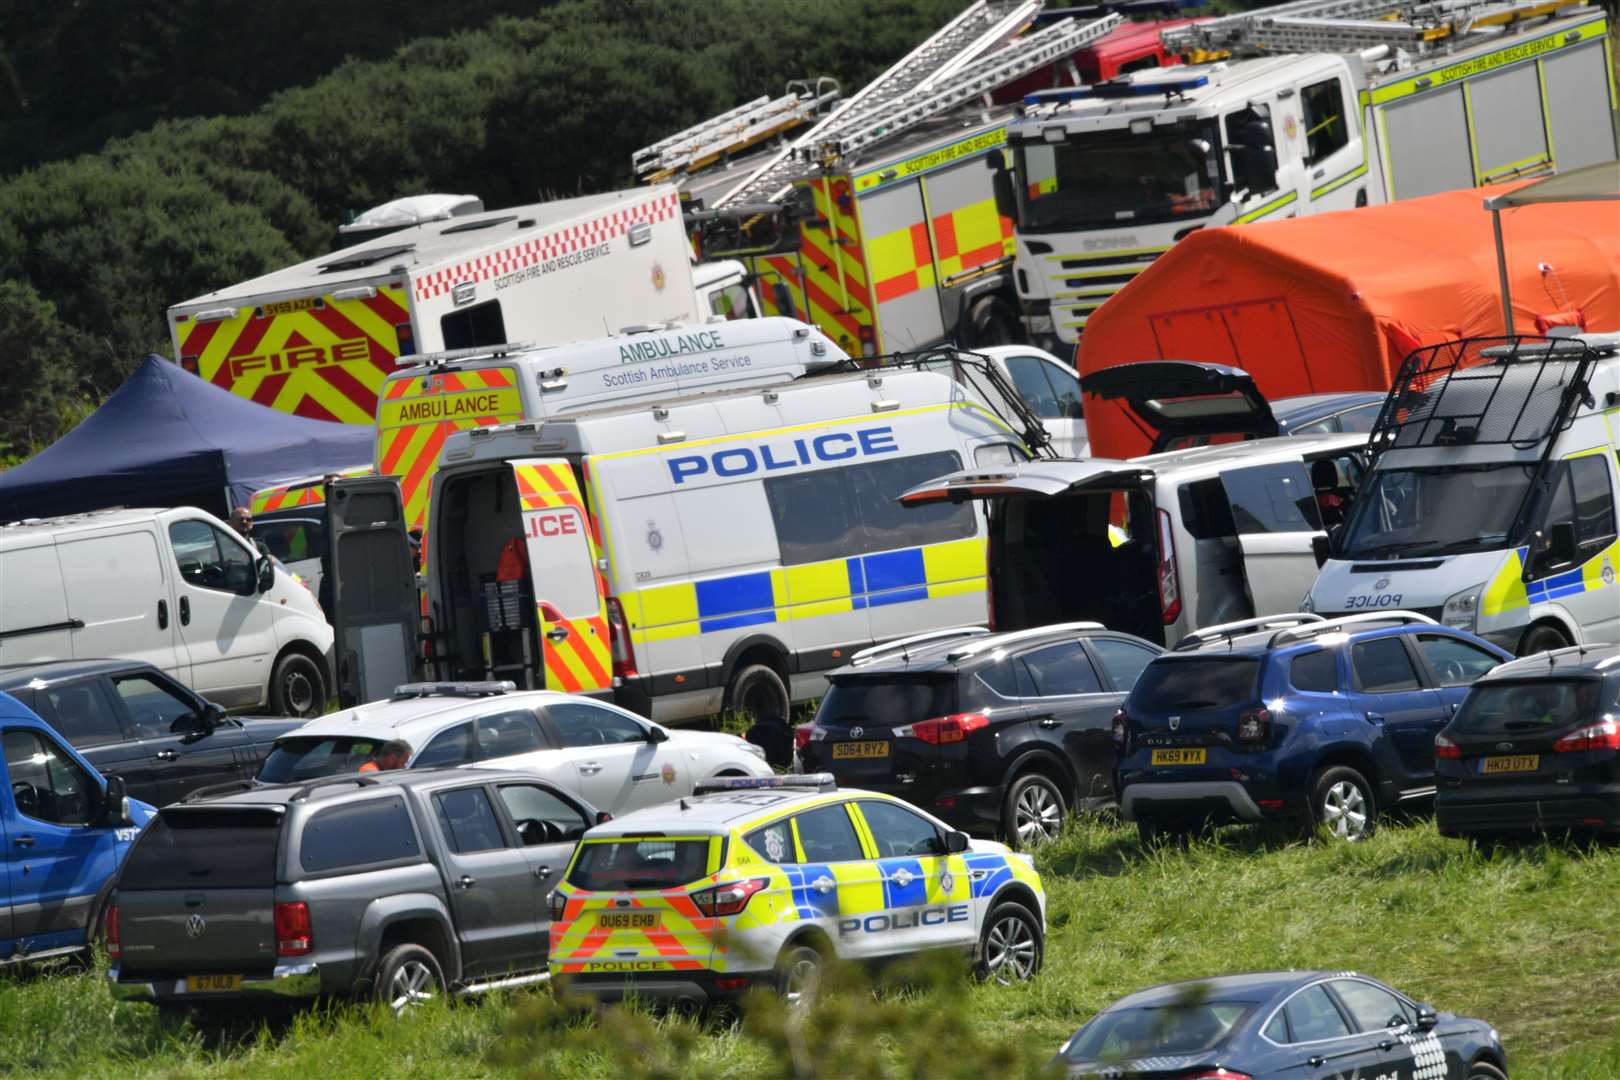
(1335, 301)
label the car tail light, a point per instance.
(801, 735)
(1603, 735)
(624, 655)
(1445, 748)
(115, 946)
(732, 982)
(1219, 1074)
(293, 936)
(1169, 580)
(1120, 729)
(944, 729)
(728, 899)
(559, 906)
(1254, 725)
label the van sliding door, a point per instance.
(1276, 515)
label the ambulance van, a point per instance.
(1490, 505)
(718, 551)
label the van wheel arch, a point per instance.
(302, 650)
(759, 651)
(1540, 633)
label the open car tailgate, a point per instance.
(1180, 398)
(1043, 478)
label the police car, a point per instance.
(757, 882)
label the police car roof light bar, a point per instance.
(1333, 626)
(488, 688)
(1229, 630)
(906, 643)
(821, 781)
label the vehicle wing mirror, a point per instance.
(267, 573)
(1001, 185)
(1322, 548)
(115, 805)
(956, 842)
(1427, 1018)
(1561, 542)
(213, 713)
(657, 735)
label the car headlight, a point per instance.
(756, 750)
(1461, 610)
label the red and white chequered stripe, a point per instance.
(548, 246)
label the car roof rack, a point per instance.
(906, 644)
(821, 781)
(1229, 630)
(210, 790)
(489, 688)
(357, 779)
(996, 641)
(1331, 626)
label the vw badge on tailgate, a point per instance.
(196, 926)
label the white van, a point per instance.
(178, 589)
(1491, 503)
(1159, 545)
(716, 551)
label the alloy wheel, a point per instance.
(1039, 815)
(1344, 811)
(1010, 950)
(803, 978)
(413, 984)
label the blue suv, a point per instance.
(1292, 717)
(64, 830)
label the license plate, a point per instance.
(1192, 756)
(627, 920)
(1511, 763)
(212, 984)
(842, 751)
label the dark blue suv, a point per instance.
(1292, 716)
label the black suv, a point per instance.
(131, 720)
(403, 885)
(1535, 747)
(992, 732)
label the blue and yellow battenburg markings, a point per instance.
(1508, 591)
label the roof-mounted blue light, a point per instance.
(1117, 88)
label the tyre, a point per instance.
(1484, 1070)
(1032, 811)
(1542, 638)
(798, 975)
(1343, 803)
(408, 976)
(1011, 945)
(297, 687)
(992, 321)
(758, 693)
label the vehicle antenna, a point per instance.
(684, 806)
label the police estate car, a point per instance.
(755, 883)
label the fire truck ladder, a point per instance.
(1346, 26)
(980, 24)
(966, 83)
(733, 131)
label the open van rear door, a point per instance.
(1186, 403)
(1275, 511)
(376, 609)
(570, 596)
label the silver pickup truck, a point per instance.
(403, 885)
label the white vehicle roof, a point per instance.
(709, 415)
(417, 719)
(31, 532)
(425, 247)
(414, 210)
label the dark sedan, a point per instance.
(132, 720)
(1296, 1024)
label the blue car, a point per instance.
(1302, 1025)
(64, 831)
(1292, 717)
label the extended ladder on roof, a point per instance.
(1344, 26)
(734, 131)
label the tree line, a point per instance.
(95, 247)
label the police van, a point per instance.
(715, 551)
(1491, 502)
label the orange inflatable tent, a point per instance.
(1335, 302)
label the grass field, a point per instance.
(1524, 937)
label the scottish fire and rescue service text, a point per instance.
(551, 266)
